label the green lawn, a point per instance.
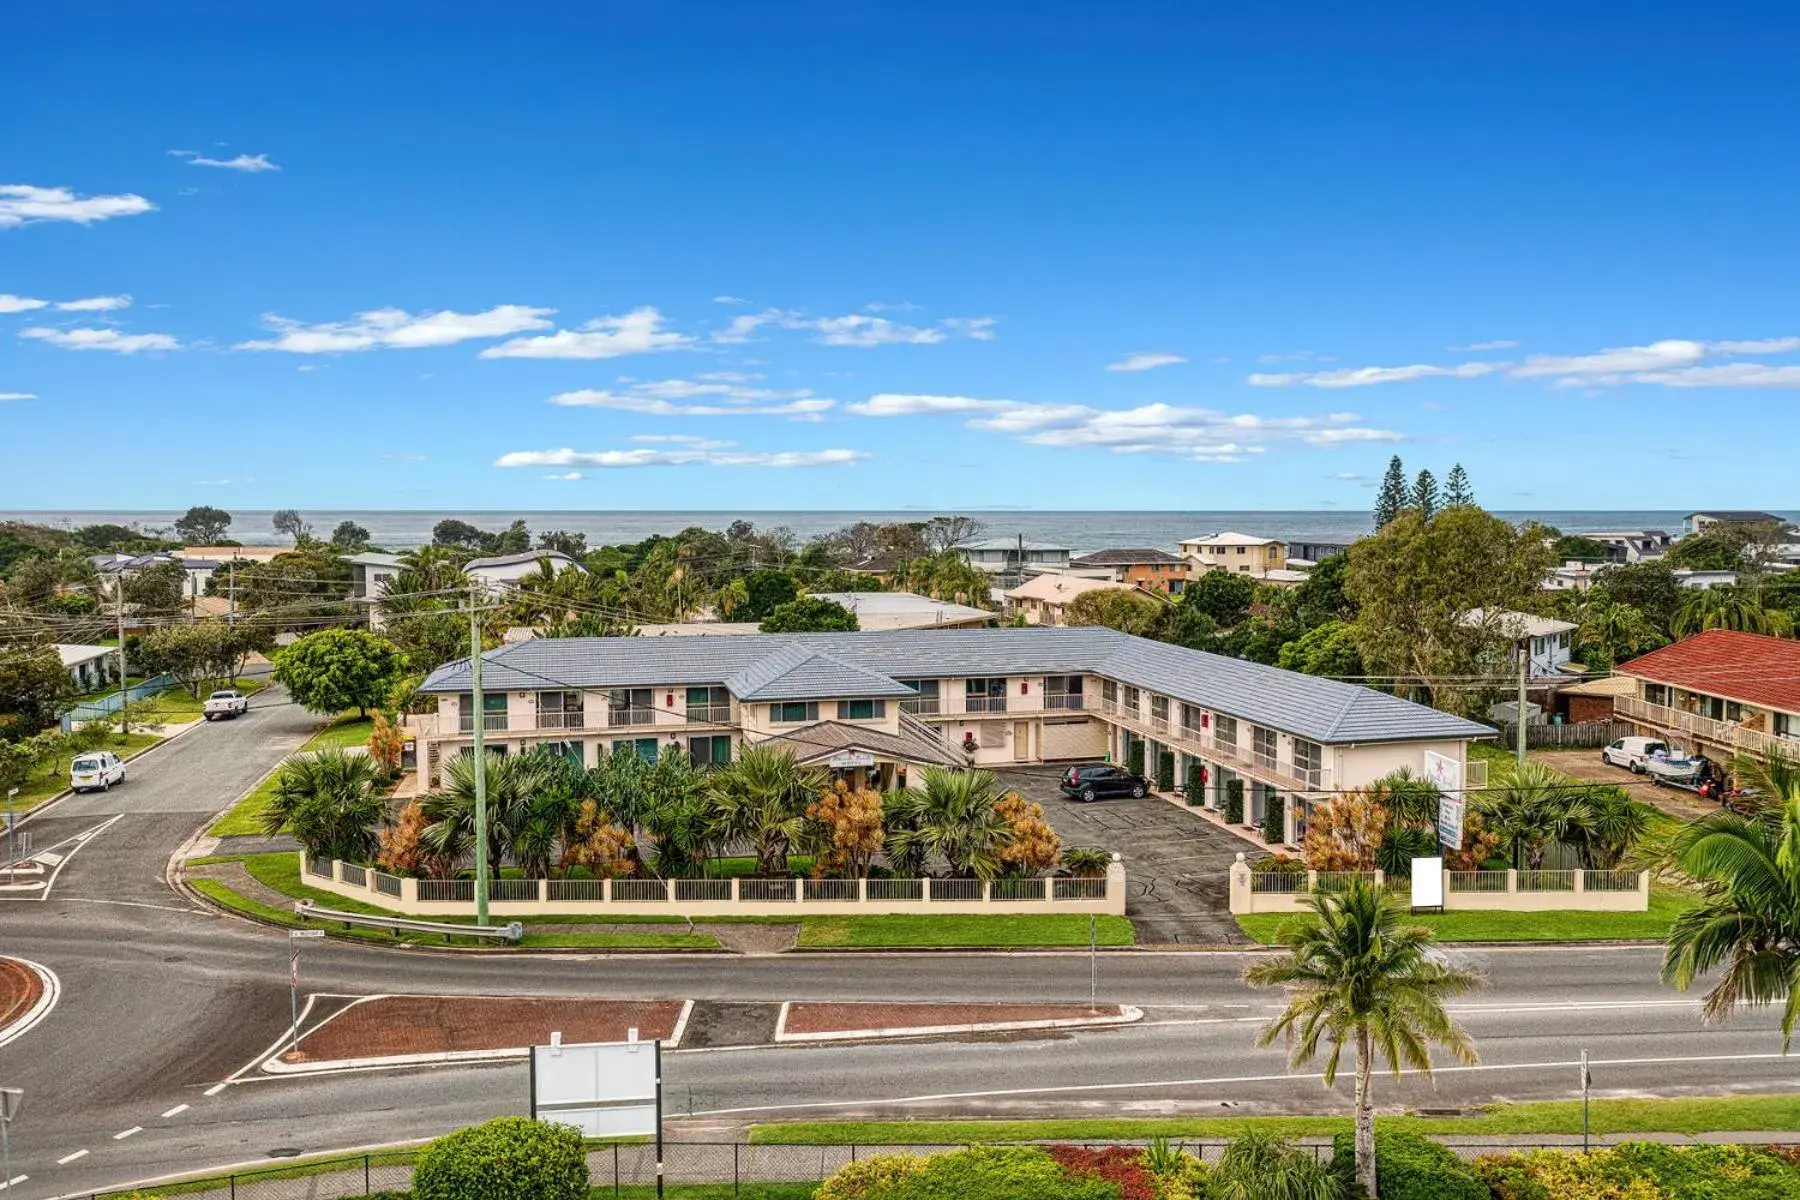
(53, 778)
(245, 817)
(1711, 1114)
(821, 933)
(1652, 925)
(177, 706)
(346, 731)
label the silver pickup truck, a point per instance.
(229, 703)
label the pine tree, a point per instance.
(1458, 493)
(1393, 495)
(1425, 495)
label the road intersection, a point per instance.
(147, 1066)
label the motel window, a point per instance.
(645, 748)
(792, 712)
(926, 701)
(713, 751)
(1656, 693)
(1263, 745)
(1225, 731)
(861, 710)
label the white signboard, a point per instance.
(1428, 883)
(1444, 771)
(846, 759)
(604, 1089)
(1450, 820)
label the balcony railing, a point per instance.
(1109, 706)
(989, 704)
(1062, 700)
(1722, 733)
(1159, 724)
(921, 706)
(709, 714)
(563, 719)
(630, 716)
(494, 722)
(1281, 775)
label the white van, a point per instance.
(96, 770)
(1633, 752)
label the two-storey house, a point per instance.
(877, 706)
(1719, 691)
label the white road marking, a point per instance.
(199, 912)
(175, 1112)
(15, 1181)
(66, 1159)
(123, 1134)
(79, 840)
(45, 1003)
(216, 1088)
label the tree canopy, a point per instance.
(809, 614)
(203, 525)
(335, 669)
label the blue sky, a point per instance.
(862, 255)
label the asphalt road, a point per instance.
(163, 1003)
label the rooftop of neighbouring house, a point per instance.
(1053, 588)
(1229, 538)
(74, 654)
(1517, 624)
(1748, 667)
(904, 610)
(513, 560)
(811, 665)
(1135, 556)
(1012, 544)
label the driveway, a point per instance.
(1175, 864)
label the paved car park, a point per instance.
(1175, 864)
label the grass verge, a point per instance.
(244, 819)
(346, 731)
(1566, 926)
(55, 780)
(822, 933)
(1708, 1114)
(177, 706)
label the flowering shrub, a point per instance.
(1121, 1165)
(1645, 1171)
(870, 1177)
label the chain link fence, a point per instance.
(627, 1170)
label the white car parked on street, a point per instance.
(96, 770)
(1633, 752)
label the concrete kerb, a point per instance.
(52, 992)
(1126, 1015)
(273, 1065)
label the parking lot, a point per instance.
(1175, 864)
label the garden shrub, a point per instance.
(1165, 772)
(1274, 822)
(1234, 802)
(1195, 784)
(1279, 864)
(995, 1173)
(1410, 1167)
(1121, 1166)
(870, 1177)
(1134, 757)
(1644, 1171)
(509, 1158)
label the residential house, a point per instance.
(907, 610)
(90, 668)
(1543, 642)
(1043, 599)
(1314, 553)
(1592, 699)
(371, 572)
(111, 568)
(1721, 691)
(1155, 570)
(1700, 522)
(1013, 558)
(256, 554)
(1695, 577)
(1239, 553)
(500, 572)
(1572, 576)
(876, 707)
(1632, 545)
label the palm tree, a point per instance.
(331, 801)
(953, 818)
(761, 799)
(513, 782)
(1529, 810)
(1747, 925)
(1355, 974)
(1730, 608)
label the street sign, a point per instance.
(305, 933)
(9, 1102)
(1450, 820)
(604, 1089)
(1427, 883)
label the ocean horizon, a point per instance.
(1083, 531)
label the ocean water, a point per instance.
(1082, 532)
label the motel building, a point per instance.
(877, 707)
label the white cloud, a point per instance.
(1654, 357)
(95, 304)
(856, 329)
(729, 300)
(23, 204)
(902, 306)
(1145, 362)
(639, 331)
(102, 339)
(1202, 435)
(1368, 376)
(396, 329)
(721, 393)
(1780, 345)
(680, 439)
(687, 456)
(405, 457)
(250, 163)
(1296, 356)
(18, 304)
(1731, 375)
(566, 476)
(1479, 346)
(4, 396)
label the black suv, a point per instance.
(1090, 781)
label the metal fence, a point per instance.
(629, 1169)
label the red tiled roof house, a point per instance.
(1723, 689)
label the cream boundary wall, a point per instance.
(1246, 900)
(337, 879)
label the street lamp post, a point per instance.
(9, 1108)
(12, 839)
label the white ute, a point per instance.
(225, 704)
(1633, 753)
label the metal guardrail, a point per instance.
(511, 932)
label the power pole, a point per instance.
(231, 591)
(124, 673)
(477, 727)
(1524, 665)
